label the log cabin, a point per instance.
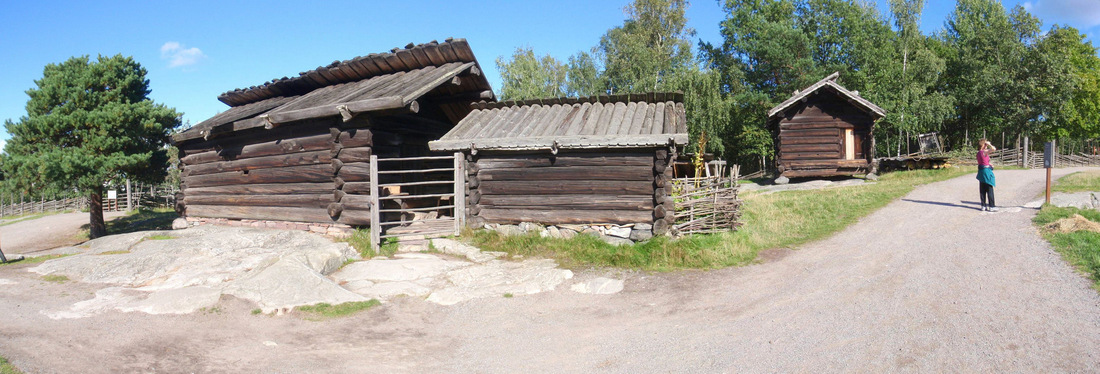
(297, 149)
(589, 160)
(824, 130)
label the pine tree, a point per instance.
(89, 123)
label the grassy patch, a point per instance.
(1079, 248)
(1078, 182)
(360, 240)
(55, 278)
(7, 368)
(776, 220)
(324, 311)
(118, 252)
(257, 311)
(159, 237)
(27, 217)
(35, 260)
(508, 296)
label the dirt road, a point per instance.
(45, 233)
(927, 284)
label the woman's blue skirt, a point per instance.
(985, 175)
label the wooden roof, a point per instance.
(619, 121)
(411, 57)
(447, 72)
(829, 83)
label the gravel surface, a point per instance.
(927, 284)
(45, 233)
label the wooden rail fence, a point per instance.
(1034, 160)
(42, 206)
(429, 187)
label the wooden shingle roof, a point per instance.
(619, 121)
(829, 83)
(410, 74)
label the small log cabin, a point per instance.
(588, 160)
(297, 149)
(824, 130)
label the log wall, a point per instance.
(293, 173)
(810, 138)
(569, 188)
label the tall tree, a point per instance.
(652, 45)
(88, 123)
(526, 76)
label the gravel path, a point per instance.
(45, 233)
(927, 284)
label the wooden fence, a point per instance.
(706, 204)
(142, 197)
(416, 204)
(42, 206)
(1032, 160)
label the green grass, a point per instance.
(159, 237)
(1079, 248)
(55, 278)
(35, 260)
(7, 368)
(508, 296)
(360, 240)
(118, 252)
(1078, 182)
(777, 220)
(26, 217)
(325, 311)
(257, 311)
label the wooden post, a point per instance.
(129, 196)
(460, 192)
(375, 215)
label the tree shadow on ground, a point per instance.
(140, 220)
(968, 204)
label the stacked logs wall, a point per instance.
(313, 172)
(570, 188)
(812, 140)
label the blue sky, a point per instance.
(195, 50)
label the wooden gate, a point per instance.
(411, 196)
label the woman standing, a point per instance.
(986, 181)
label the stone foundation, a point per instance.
(335, 230)
(613, 234)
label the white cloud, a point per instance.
(1077, 13)
(2, 144)
(177, 55)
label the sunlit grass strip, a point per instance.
(1079, 248)
(777, 220)
(1078, 182)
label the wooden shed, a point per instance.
(297, 149)
(589, 160)
(824, 130)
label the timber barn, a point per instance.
(588, 160)
(824, 130)
(298, 149)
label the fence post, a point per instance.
(460, 193)
(375, 215)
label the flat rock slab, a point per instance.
(1082, 200)
(450, 281)
(274, 268)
